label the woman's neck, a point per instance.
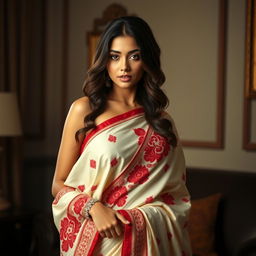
(126, 97)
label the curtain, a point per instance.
(22, 66)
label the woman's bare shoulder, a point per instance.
(81, 106)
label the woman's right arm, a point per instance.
(69, 149)
(107, 220)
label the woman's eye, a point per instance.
(114, 57)
(135, 57)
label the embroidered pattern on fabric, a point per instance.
(81, 188)
(186, 200)
(113, 162)
(141, 133)
(61, 193)
(69, 228)
(86, 238)
(139, 174)
(154, 149)
(92, 163)
(149, 199)
(157, 148)
(140, 241)
(79, 205)
(122, 178)
(117, 196)
(168, 198)
(70, 225)
(112, 138)
(94, 187)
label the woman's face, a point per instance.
(125, 67)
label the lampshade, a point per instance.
(9, 115)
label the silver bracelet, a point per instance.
(88, 207)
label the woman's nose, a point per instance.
(125, 65)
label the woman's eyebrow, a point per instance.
(132, 51)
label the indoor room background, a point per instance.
(203, 44)
(207, 105)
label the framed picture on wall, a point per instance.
(250, 61)
(111, 12)
(92, 41)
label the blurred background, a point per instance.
(45, 50)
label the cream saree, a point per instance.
(132, 169)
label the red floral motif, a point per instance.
(158, 241)
(79, 205)
(68, 232)
(149, 200)
(186, 200)
(139, 174)
(92, 163)
(169, 235)
(117, 196)
(168, 198)
(113, 162)
(157, 148)
(94, 187)
(81, 188)
(112, 138)
(141, 133)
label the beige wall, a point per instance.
(187, 34)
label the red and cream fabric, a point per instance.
(132, 169)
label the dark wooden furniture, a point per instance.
(235, 233)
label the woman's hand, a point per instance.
(107, 221)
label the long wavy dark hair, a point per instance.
(148, 94)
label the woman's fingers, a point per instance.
(122, 218)
(108, 222)
(102, 234)
(118, 230)
(108, 234)
(112, 232)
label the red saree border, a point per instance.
(127, 242)
(120, 179)
(89, 235)
(87, 240)
(61, 193)
(94, 242)
(135, 237)
(140, 240)
(111, 122)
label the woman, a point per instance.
(119, 183)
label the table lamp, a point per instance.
(10, 126)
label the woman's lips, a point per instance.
(125, 78)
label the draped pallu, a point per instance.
(126, 165)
